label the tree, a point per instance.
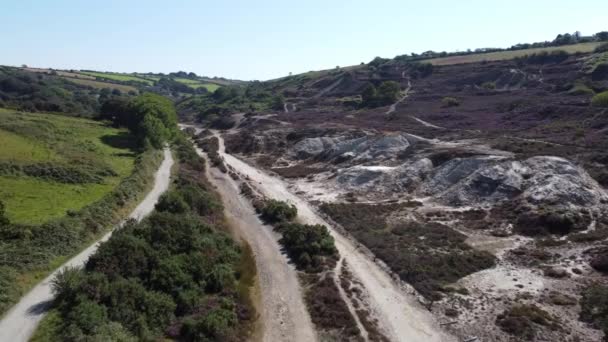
(602, 36)
(277, 102)
(369, 94)
(388, 92)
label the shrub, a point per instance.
(278, 211)
(3, 219)
(172, 202)
(600, 261)
(306, 243)
(601, 48)
(521, 320)
(600, 100)
(594, 307)
(450, 102)
(386, 93)
(489, 85)
(600, 72)
(580, 89)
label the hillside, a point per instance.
(480, 184)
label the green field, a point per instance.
(503, 55)
(42, 138)
(117, 77)
(195, 84)
(210, 86)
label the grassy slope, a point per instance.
(502, 55)
(62, 139)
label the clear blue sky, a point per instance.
(262, 39)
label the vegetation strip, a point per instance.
(173, 275)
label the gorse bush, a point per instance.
(601, 48)
(306, 244)
(3, 219)
(600, 100)
(386, 93)
(522, 320)
(450, 102)
(275, 211)
(594, 307)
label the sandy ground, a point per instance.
(401, 317)
(283, 313)
(21, 321)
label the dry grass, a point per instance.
(503, 55)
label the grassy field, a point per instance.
(101, 85)
(197, 84)
(43, 138)
(503, 55)
(210, 86)
(117, 77)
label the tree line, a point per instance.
(150, 117)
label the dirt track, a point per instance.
(283, 313)
(401, 317)
(21, 321)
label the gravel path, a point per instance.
(21, 321)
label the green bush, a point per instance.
(594, 307)
(522, 320)
(580, 89)
(450, 102)
(3, 219)
(489, 85)
(306, 243)
(386, 93)
(600, 100)
(601, 48)
(275, 211)
(172, 202)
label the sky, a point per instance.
(263, 39)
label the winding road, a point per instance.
(21, 321)
(400, 316)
